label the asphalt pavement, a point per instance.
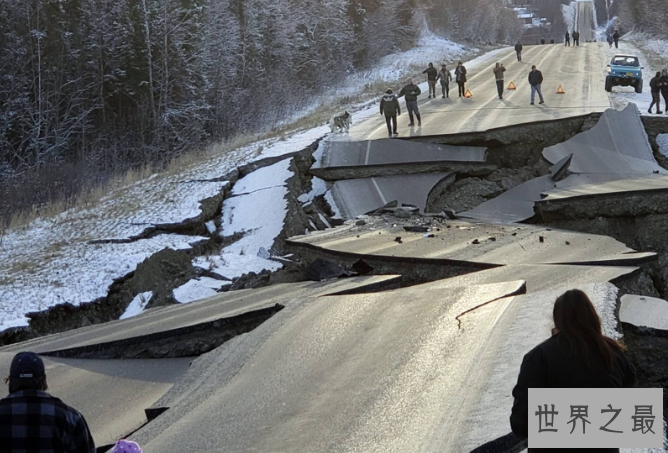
(579, 70)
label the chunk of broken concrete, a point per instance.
(643, 311)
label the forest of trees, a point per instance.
(89, 88)
(650, 16)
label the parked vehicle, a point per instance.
(624, 70)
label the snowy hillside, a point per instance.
(75, 256)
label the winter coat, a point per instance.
(444, 76)
(432, 73)
(610, 40)
(568, 36)
(655, 84)
(552, 365)
(460, 74)
(411, 92)
(535, 78)
(663, 84)
(576, 35)
(518, 47)
(498, 72)
(615, 36)
(389, 105)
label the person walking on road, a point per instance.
(568, 39)
(498, 70)
(445, 77)
(610, 40)
(577, 355)
(663, 85)
(615, 38)
(411, 93)
(655, 87)
(389, 106)
(518, 50)
(576, 38)
(33, 421)
(535, 80)
(460, 78)
(432, 74)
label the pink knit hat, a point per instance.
(126, 446)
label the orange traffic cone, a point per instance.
(468, 94)
(560, 90)
(512, 86)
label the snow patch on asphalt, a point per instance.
(197, 289)
(138, 305)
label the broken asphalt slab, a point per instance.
(354, 160)
(618, 143)
(591, 196)
(464, 243)
(111, 394)
(515, 205)
(355, 197)
(389, 371)
(643, 311)
(165, 325)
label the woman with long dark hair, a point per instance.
(577, 355)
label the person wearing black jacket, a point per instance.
(535, 80)
(655, 86)
(568, 39)
(389, 106)
(460, 78)
(518, 50)
(411, 93)
(663, 85)
(615, 38)
(577, 355)
(576, 38)
(432, 75)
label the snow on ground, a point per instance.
(431, 49)
(257, 208)
(66, 272)
(51, 261)
(641, 46)
(137, 305)
(198, 288)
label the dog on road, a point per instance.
(341, 122)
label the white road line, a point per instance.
(368, 149)
(382, 197)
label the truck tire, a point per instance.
(639, 88)
(608, 85)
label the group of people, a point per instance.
(34, 421)
(389, 103)
(659, 87)
(577, 355)
(613, 39)
(575, 36)
(391, 109)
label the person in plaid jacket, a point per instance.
(33, 421)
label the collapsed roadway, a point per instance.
(464, 241)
